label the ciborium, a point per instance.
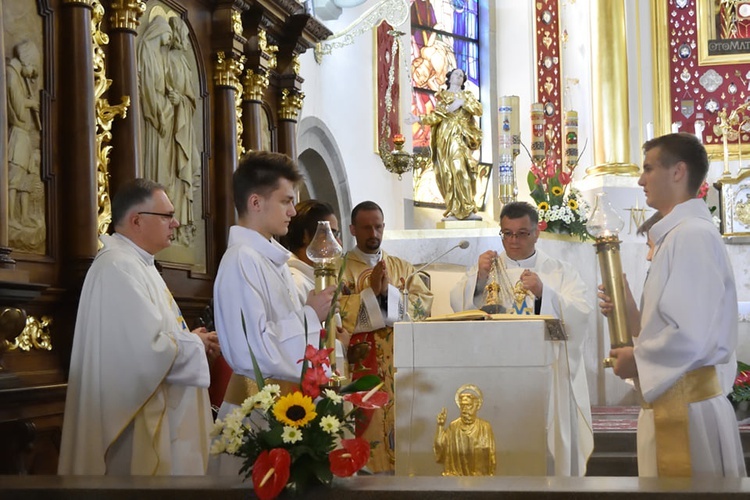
(605, 225)
(325, 253)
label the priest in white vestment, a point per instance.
(137, 402)
(684, 354)
(556, 289)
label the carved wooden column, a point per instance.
(261, 59)
(228, 66)
(6, 262)
(125, 163)
(290, 104)
(77, 139)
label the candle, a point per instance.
(676, 127)
(515, 126)
(571, 139)
(505, 145)
(537, 133)
(649, 131)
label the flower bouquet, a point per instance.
(292, 440)
(741, 389)
(561, 208)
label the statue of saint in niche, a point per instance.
(186, 156)
(467, 446)
(25, 188)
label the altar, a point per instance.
(509, 361)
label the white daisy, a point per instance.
(291, 435)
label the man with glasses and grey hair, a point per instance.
(137, 402)
(556, 289)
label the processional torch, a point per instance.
(325, 253)
(605, 225)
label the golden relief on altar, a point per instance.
(173, 95)
(25, 79)
(467, 446)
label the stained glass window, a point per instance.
(444, 35)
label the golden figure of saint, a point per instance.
(467, 446)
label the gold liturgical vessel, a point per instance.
(605, 225)
(325, 253)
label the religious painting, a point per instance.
(25, 76)
(172, 104)
(702, 68)
(444, 36)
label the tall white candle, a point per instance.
(649, 131)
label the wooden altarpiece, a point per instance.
(87, 136)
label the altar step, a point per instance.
(615, 441)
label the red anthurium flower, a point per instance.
(352, 456)
(271, 472)
(376, 400)
(542, 225)
(564, 178)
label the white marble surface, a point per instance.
(421, 246)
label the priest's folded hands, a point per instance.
(210, 341)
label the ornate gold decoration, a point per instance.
(735, 206)
(267, 49)
(87, 3)
(237, 28)
(34, 336)
(255, 84)
(105, 115)
(125, 14)
(467, 446)
(227, 74)
(295, 64)
(394, 12)
(291, 104)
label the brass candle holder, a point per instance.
(605, 226)
(325, 252)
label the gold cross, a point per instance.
(637, 217)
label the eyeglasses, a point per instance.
(520, 235)
(336, 233)
(166, 217)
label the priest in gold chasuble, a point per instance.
(370, 304)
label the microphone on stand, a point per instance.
(405, 298)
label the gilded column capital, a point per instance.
(255, 85)
(291, 104)
(268, 50)
(80, 3)
(125, 14)
(228, 71)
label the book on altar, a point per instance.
(478, 314)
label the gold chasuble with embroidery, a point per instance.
(370, 319)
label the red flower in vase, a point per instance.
(316, 357)
(271, 472)
(313, 379)
(542, 225)
(564, 178)
(351, 457)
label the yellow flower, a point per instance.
(294, 409)
(556, 191)
(573, 204)
(543, 205)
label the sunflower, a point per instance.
(573, 204)
(556, 191)
(543, 205)
(294, 409)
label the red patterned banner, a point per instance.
(383, 67)
(549, 93)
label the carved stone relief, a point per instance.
(22, 32)
(172, 110)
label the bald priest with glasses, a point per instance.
(551, 287)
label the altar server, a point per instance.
(254, 281)
(137, 402)
(553, 288)
(684, 355)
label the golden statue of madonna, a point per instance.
(454, 138)
(467, 446)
